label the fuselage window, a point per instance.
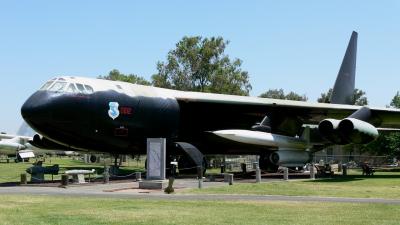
(89, 89)
(80, 88)
(58, 86)
(71, 88)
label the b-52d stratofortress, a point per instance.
(116, 117)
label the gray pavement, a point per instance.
(130, 190)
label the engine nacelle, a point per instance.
(328, 128)
(290, 158)
(357, 131)
(349, 130)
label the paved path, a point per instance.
(130, 191)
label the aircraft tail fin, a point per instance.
(343, 89)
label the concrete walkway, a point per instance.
(130, 190)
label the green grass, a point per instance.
(11, 172)
(381, 185)
(25, 209)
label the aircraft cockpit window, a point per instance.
(58, 86)
(71, 88)
(89, 89)
(81, 88)
(46, 85)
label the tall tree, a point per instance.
(395, 101)
(359, 97)
(273, 93)
(387, 143)
(325, 97)
(131, 78)
(280, 94)
(200, 64)
(296, 97)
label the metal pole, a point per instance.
(200, 176)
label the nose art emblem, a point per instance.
(113, 112)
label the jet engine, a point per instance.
(328, 128)
(357, 131)
(290, 158)
(349, 130)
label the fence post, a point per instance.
(106, 175)
(138, 176)
(64, 180)
(312, 171)
(286, 173)
(344, 168)
(23, 178)
(258, 175)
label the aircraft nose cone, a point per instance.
(34, 109)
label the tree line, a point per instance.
(201, 64)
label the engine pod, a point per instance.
(328, 129)
(357, 131)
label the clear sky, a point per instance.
(294, 45)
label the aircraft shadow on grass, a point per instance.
(349, 178)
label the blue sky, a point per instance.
(294, 45)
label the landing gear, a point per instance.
(266, 164)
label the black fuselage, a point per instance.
(118, 117)
(81, 121)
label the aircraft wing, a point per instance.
(287, 116)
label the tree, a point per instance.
(395, 101)
(388, 143)
(130, 78)
(358, 97)
(280, 94)
(296, 97)
(273, 93)
(200, 64)
(325, 97)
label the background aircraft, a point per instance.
(116, 117)
(19, 145)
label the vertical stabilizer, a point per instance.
(343, 90)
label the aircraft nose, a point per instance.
(34, 109)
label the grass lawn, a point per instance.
(25, 209)
(11, 172)
(381, 185)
